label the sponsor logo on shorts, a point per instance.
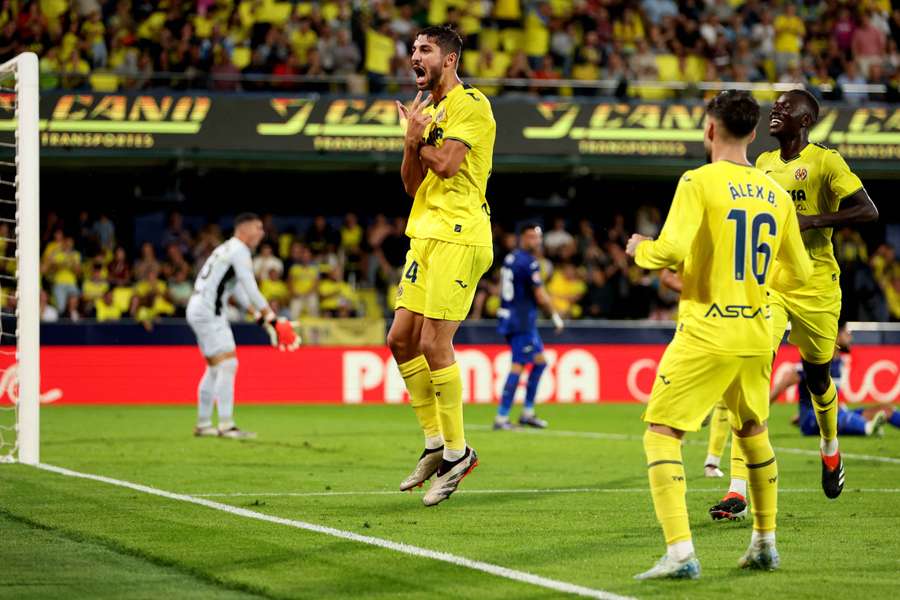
(399, 290)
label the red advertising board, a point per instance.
(595, 373)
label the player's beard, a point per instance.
(433, 79)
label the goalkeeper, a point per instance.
(228, 273)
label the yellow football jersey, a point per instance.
(817, 179)
(727, 223)
(455, 209)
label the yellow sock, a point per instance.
(421, 394)
(826, 407)
(718, 431)
(738, 461)
(447, 384)
(667, 485)
(763, 470)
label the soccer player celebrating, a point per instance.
(827, 195)
(447, 159)
(522, 291)
(228, 274)
(727, 222)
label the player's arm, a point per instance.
(671, 280)
(446, 160)
(543, 300)
(855, 204)
(678, 232)
(281, 332)
(470, 119)
(783, 382)
(412, 171)
(855, 209)
(796, 269)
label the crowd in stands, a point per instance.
(351, 267)
(239, 44)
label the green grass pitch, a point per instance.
(72, 538)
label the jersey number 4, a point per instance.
(412, 272)
(757, 246)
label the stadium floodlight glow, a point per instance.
(20, 213)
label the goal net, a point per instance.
(19, 261)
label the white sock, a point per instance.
(206, 397)
(452, 455)
(433, 443)
(712, 459)
(527, 412)
(758, 537)
(829, 447)
(738, 486)
(225, 374)
(680, 550)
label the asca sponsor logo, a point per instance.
(572, 375)
(734, 311)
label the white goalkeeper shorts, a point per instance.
(213, 331)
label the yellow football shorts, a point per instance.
(440, 278)
(814, 323)
(690, 382)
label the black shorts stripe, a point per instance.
(762, 464)
(664, 462)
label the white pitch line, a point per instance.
(596, 435)
(519, 491)
(477, 565)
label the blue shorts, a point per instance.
(525, 346)
(807, 423)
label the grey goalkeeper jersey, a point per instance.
(228, 272)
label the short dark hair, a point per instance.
(529, 226)
(245, 218)
(735, 109)
(811, 103)
(447, 39)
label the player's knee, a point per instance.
(819, 384)
(400, 346)
(228, 366)
(516, 368)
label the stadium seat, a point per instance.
(276, 13)
(470, 62)
(104, 81)
(122, 297)
(511, 40)
(694, 69)
(489, 38)
(241, 56)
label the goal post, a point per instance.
(23, 71)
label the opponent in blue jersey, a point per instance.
(522, 292)
(849, 422)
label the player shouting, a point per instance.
(447, 159)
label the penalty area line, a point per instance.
(460, 561)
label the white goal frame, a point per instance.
(25, 69)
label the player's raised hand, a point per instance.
(633, 242)
(416, 120)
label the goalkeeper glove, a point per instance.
(281, 333)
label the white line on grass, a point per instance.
(520, 576)
(521, 491)
(596, 435)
